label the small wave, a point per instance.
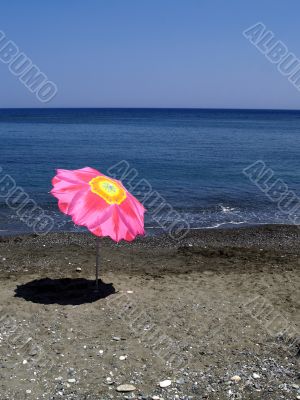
(226, 224)
(227, 209)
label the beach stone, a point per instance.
(126, 388)
(155, 398)
(117, 338)
(235, 378)
(72, 380)
(295, 386)
(165, 383)
(78, 269)
(255, 375)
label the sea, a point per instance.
(193, 158)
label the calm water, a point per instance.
(193, 158)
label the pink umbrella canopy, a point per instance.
(100, 203)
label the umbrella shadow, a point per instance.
(65, 291)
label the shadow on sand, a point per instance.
(63, 291)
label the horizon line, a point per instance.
(151, 108)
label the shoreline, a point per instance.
(283, 234)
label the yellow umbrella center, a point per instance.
(108, 190)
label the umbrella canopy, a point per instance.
(100, 203)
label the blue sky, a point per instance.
(150, 53)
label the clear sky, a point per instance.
(150, 53)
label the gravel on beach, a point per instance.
(212, 316)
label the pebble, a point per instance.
(255, 375)
(78, 269)
(117, 338)
(71, 380)
(235, 378)
(25, 361)
(28, 391)
(155, 398)
(298, 397)
(295, 386)
(101, 351)
(129, 291)
(126, 388)
(166, 383)
(122, 358)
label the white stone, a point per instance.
(28, 391)
(25, 361)
(255, 375)
(165, 383)
(72, 380)
(78, 269)
(126, 388)
(235, 378)
(122, 358)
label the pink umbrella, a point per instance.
(100, 203)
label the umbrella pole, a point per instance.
(97, 262)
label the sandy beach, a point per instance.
(215, 316)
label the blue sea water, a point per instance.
(193, 158)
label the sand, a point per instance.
(217, 314)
